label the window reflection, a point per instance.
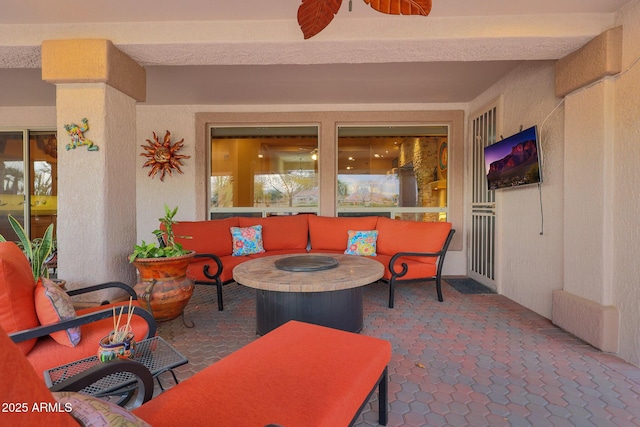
(273, 167)
(393, 167)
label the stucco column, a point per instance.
(96, 187)
(585, 306)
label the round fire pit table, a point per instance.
(312, 290)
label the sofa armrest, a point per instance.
(42, 331)
(206, 270)
(101, 286)
(141, 374)
(404, 268)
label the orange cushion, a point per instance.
(295, 375)
(206, 237)
(48, 354)
(417, 269)
(279, 252)
(53, 305)
(17, 308)
(411, 236)
(281, 232)
(23, 388)
(331, 233)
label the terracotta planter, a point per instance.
(163, 286)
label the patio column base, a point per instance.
(594, 323)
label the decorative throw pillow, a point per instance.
(247, 240)
(53, 305)
(362, 243)
(93, 412)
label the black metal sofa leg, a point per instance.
(383, 399)
(219, 292)
(391, 289)
(439, 289)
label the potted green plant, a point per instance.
(163, 287)
(165, 245)
(37, 250)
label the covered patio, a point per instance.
(474, 359)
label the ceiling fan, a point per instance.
(315, 15)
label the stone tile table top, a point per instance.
(352, 271)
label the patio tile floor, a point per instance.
(472, 360)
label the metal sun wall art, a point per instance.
(163, 157)
(315, 15)
(76, 133)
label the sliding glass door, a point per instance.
(28, 180)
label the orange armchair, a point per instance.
(42, 321)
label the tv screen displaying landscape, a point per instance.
(514, 161)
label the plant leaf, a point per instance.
(401, 7)
(22, 236)
(40, 253)
(315, 15)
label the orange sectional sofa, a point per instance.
(409, 250)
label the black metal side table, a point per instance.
(155, 354)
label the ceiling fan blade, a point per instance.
(401, 7)
(315, 15)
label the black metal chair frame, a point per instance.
(397, 272)
(144, 384)
(215, 278)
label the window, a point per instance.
(262, 171)
(395, 171)
(39, 158)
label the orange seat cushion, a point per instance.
(281, 232)
(23, 388)
(206, 237)
(416, 269)
(47, 353)
(331, 233)
(17, 306)
(411, 236)
(297, 375)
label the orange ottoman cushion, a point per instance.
(297, 375)
(17, 306)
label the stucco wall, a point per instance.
(31, 117)
(529, 264)
(597, 258)
(626, 211)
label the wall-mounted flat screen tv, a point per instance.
(514, 161)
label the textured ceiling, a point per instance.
(252, 51)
